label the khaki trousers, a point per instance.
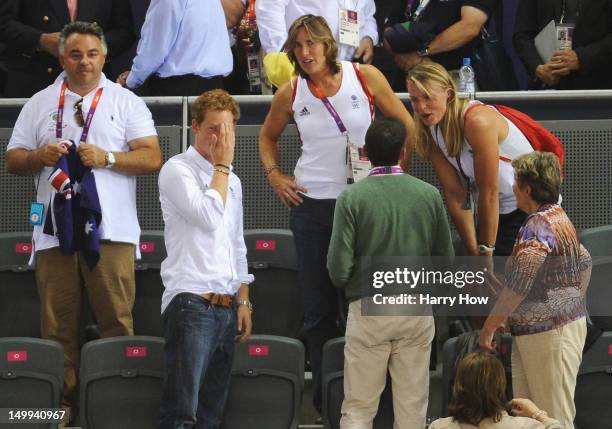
(545, 367)
(373, 343)
(110, 287)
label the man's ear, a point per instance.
(195, 126)
(402, 154)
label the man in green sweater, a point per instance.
(388, 214)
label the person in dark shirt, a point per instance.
(31, 28)
(448, 30)
(583, 65)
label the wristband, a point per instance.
(272, 168)
(222, 165)
(219, 170)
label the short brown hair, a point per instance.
(217, 99)
(479, 391)
(542, 172)
(319, 31)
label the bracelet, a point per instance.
(218, 170)
(272, 168)
(222, 165)
(538, 414)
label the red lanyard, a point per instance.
(90, 114)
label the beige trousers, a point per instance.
(110, 286)
(373, 343)
(545, 367)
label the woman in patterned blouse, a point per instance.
(544, 298)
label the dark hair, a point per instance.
(319, 31)
(542, 172)
(80, 27)
(479, 391)
(384, 141)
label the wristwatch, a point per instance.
(423, 52)
(109, 158)
(483, 248)
(246, 302)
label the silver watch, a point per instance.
(109, 158)
(483, 248)
(246, 302)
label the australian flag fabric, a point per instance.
(74, 215)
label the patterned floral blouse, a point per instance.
(551, 269)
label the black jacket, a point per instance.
(23, 21)
(592, 40)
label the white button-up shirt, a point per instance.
(120, 118)
(204, 239)
(274, 17)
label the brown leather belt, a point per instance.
(219, 299)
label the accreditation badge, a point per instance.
(565, 35)
(348, 27)
(358, 164)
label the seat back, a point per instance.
(594, 385)
(121, 382)
(275, 293)
(266, 385)
(149, 285)
(598, 241)
(31, 374)
(19, 302)
(332, 373)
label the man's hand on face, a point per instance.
(223, 146)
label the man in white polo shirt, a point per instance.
(116, 139)
(206, 300)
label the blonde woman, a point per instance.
(471, 150)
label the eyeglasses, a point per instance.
(78, 113)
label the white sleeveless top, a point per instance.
(513, 146)
(321, 168)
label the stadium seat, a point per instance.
(332, 372)
(275, 293)
(19, 302)
(266, 385)
(594, 386)
(450, 353)
(598, 241)
(31, 374)
(149, 286)
(121, 382)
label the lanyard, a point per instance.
(422, 5)
(251, 11)
(90, 114)
(379, 171)
(330, 108)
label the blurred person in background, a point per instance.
(31, 31)
(584, 28)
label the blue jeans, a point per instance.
(199, 354)
(311, 223)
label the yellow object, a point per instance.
(278, 68)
